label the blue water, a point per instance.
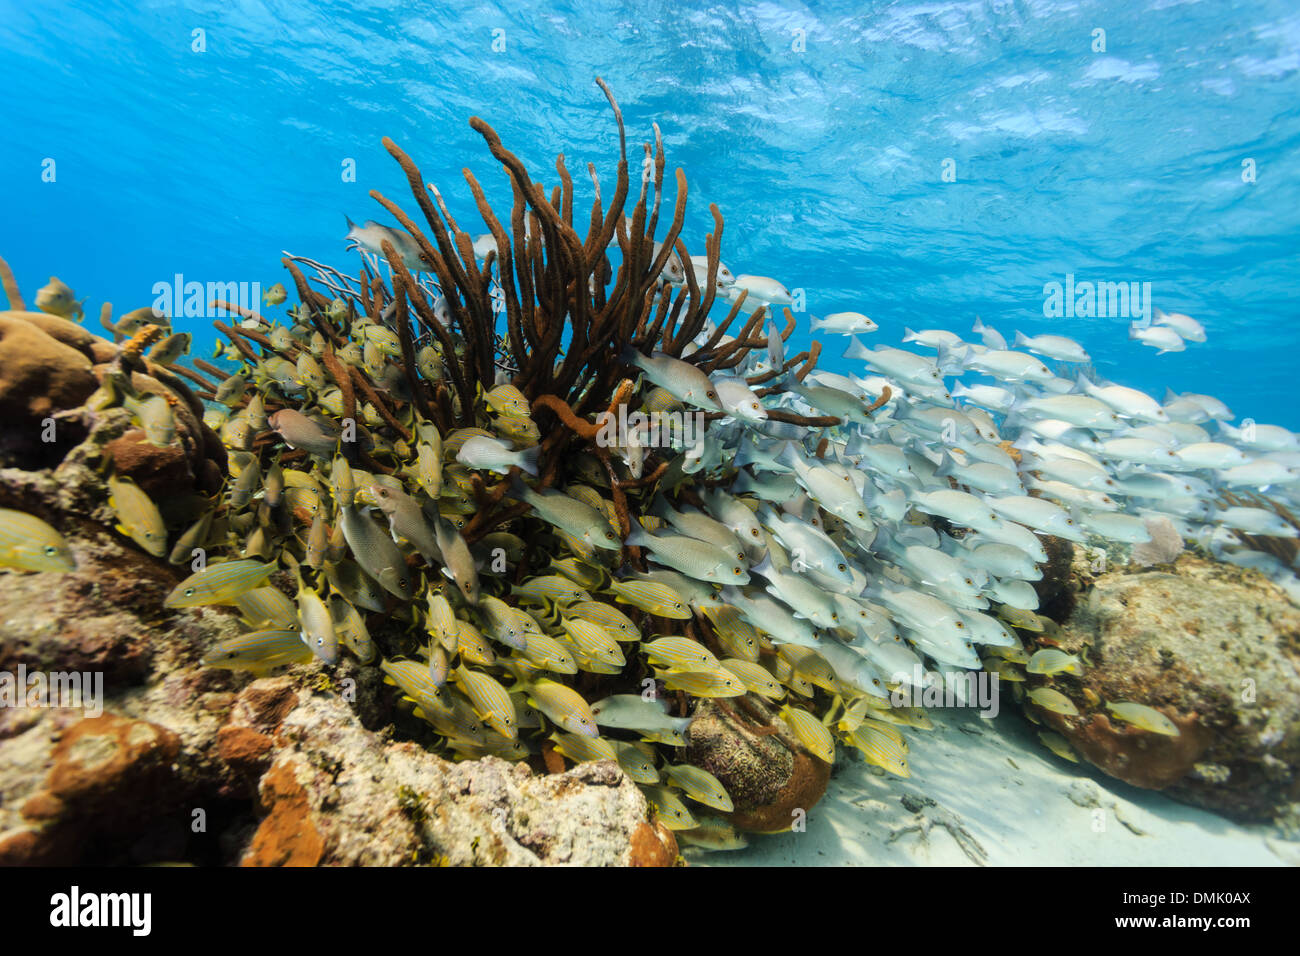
(827, 161)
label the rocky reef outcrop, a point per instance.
(1213, 647)
(191, 764)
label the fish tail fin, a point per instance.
(528, 459)
(788, 456)
(946, 465)
(638, 537)
(630, 356)
(661, 509)
(908, 335)
(763, 567)
(856, 350)
(816, 324)
(978, 326)
(746, 455)
(1021, 339)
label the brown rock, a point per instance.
(111, 764)
(653, 845)
(287, 836)
(244, 749)
(42, 806)
(1214, 648)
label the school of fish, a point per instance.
(825, 566)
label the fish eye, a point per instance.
(841, 567)
(737, 571)
(1069, 521)
(51, 550)
(753, 532)
(961, 625)
(189, 592)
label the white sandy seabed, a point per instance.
(1000, 798)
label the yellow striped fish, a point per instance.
(351, 629)
(785, 674)
(358, 587)
(428, 469)
(671, 810)
(491, 701)
(636, 762)
(137, 516)
(579, 572)
(472, 645)
(456, 721)
(520, 431)
(1144, 717)
(1053, 700)
(316, 624)
(582, 749)
(1058, 745)
(653, 598)
(810, 665)
(756, 678)
(1050, 660)
(594, 643)
(615, 622)
(659, 399)
(502, 624)
(195, 536)
(549, 654)
(28, 543)
(713, 834)
(720, 683)
(441, 621)
(526, 623)
(437, 665)
(882, 746)
(680, 653)
(267, 607)
(413, 679)
(219, 583)
(1004, 669)
(526, 715)
(737, 636)
(811, 732)
(700, 785)
(259, 651)
(551, 587)
(1015, 654)
(507, 400)
(563, 706)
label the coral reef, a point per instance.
(190, 763)
(1215, 649)
(408, 371)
